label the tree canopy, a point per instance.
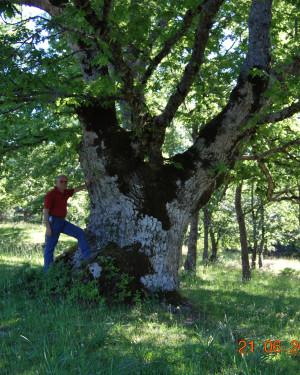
(161, 62)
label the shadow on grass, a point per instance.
(9, 273)
(163, 344)
(255, 309)
(11, 234)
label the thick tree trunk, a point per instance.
(133, 204)
(122, 219)
(191, 259)
(243, 234)
(137, 199)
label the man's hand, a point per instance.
(48, 226)
(49, 232)
(81, 187)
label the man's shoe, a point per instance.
(90, 259)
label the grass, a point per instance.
(46, 335)
(15, 237)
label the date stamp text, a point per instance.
(269, 347)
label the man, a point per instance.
(55, 211)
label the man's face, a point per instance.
(62, 183)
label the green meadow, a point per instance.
(232, 327)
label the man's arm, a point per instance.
(81, 187)
(48, 226)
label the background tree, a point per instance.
(191, 258)
(243, 233)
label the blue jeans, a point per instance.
(59, 226)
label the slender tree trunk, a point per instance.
(299, 206)
(191, 259)
(214, 245)
(206, 223)
(243, 234)
(254, 222)
(260, 249)
(262, 242)
(27, 216)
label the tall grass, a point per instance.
(55, 335)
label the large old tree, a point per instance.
(129, 70)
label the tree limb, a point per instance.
(52, 95)
(258, 56)
(89, 14)
(293, 69)
(37, 140)
(155, 129)
(270, 181)
(105, 15)
(51, 7)
(285, 113)
(208, 12)
(100, 25)
(269, 152)
(271, 186)
(169, 43)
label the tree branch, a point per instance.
(51, 96)
(208, 12)
(280, 115)
(271, 186)
(169, 43)
(258, 56)
(100, 25)
(106, 12)
(155, 129)
(89, 14)
(131, 96)
(292, 69)
(267, 173)
(269, 152)
(51, 7)
(37, 140)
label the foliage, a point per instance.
(118, 282)
(61, 282)
(42, 85)
(37, 56)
